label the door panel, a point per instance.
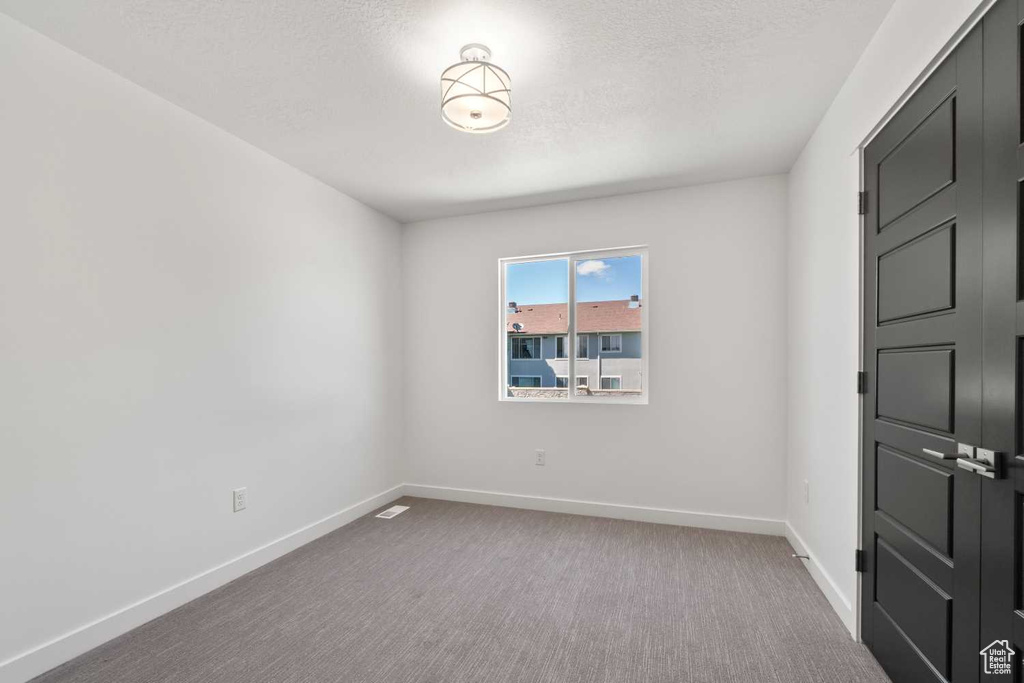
(916, 386)
(917, 277)
(922, 313)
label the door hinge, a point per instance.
(862, 203)
(862, 382)
(858, 560)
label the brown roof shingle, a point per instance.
(591, 316)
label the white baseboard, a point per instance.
(44, 657)
(840, 603)
(704, 520)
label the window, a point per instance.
(535, 305)
(582, 347)
(593, 305)
(525, 348)
(611, 343)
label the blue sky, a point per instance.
(546, 282)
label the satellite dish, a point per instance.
(518, 327)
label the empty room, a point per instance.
(480, 341)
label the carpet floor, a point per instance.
(459, 593)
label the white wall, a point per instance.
(823, 288)
(180, 314)
(712, 438)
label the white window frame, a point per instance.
(586, 381)
(572, 258)
(565, 377)
(586, 337)
(540, 381)
(540, 348)
(565, 343)
(600, 344)
(604, 377)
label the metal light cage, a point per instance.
(476, 96)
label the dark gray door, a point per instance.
(1003, 495)
(923, 346)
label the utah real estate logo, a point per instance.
(996, 658)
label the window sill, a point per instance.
(592, 400)
(561, 395)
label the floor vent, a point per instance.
(393, 511)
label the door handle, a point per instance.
(962, 450)
(988, 464)
(941, 456)
(976, 466)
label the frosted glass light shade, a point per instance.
(476, 96)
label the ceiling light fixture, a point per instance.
(476, 96)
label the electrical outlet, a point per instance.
(238, 499)
(807, 492)
(541, 457)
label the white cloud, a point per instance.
(597, 268)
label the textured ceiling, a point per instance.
(609, 96)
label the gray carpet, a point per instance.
(458, 593)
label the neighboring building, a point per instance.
(608, 345)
